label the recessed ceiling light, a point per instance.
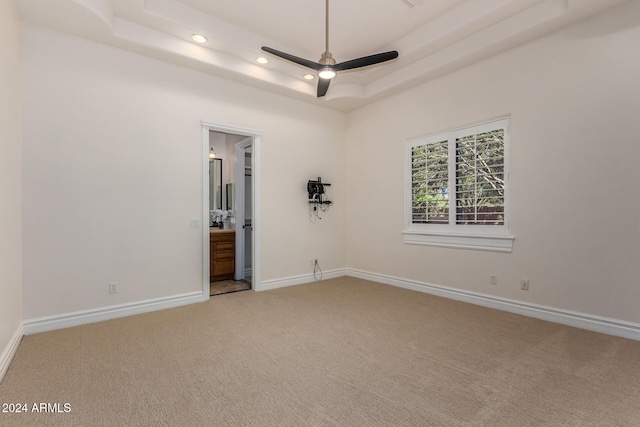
(262, 60)
(199, 38)
(308, 77)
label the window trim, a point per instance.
(494, 238)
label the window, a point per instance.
(457, 188)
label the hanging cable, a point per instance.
(313, 214)
(317, 270)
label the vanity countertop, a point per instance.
(221, 230)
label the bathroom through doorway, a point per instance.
(230, 241)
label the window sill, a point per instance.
(480, 242)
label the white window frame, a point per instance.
(495, 238)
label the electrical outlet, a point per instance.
(524, 284)
(312, 261)
(493, 279)
(113, 287)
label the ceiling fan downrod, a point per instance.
(327, 72)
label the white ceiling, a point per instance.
(432, 38)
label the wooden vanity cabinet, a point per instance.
(222, 254)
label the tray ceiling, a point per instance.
(433, 37)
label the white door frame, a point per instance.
(254, 139)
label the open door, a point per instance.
(243, 196)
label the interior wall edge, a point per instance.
(10, 351)
(78, 318)
(585, 321)
(11, 182)
(266, 285)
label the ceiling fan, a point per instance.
(327, 66)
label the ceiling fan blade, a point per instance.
(365, 61)
(323, 85)
(292, 58)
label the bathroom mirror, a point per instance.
(215, 184)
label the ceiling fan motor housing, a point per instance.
(327, 71)
(327, 59)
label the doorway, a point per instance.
(231, 242)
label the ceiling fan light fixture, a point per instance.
(327, 73)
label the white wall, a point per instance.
(113, 175)
(10, 182)
(574, 99)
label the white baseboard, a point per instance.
(10, 350)
(579, 320)
(298, 280)
(565, 317)
(50, 323)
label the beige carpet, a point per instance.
(343, 352)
